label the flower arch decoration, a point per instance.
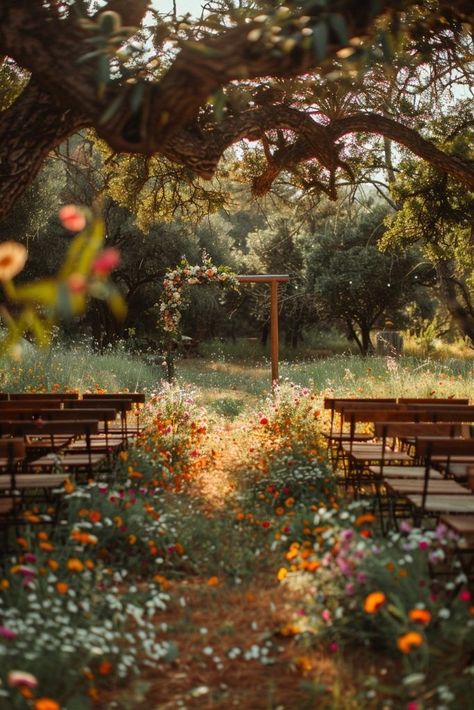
(175, 298)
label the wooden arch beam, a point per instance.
(273, 280)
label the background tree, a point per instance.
(357, 284)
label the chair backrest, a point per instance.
(433, 400)
(102, 414)
(29, 404)
(443, 446)
(414, 429)
(61, 396)
(28, 428)
(341, 406)
(330, 402)
(118, 404)
(413, 414)
(135, 397)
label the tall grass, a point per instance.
(228, 385)
(78, 368)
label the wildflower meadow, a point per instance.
(221, 564)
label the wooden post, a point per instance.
(274, 330)
(273, 280)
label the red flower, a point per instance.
(265, 524)
(106, 262)
(263, 421)
(72, 218)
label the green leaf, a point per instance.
(63, 303)
(320, 40)
(339, 27)
(117, 304)
(43, 292)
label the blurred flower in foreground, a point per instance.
(72, 218)
(12, 259)
(107, 261)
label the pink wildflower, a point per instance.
(72, 218)
(19, 678)
(107, 261)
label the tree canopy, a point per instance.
(293, 77)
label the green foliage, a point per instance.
(357, 283)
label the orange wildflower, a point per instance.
(89, 564)
(43, 535)
(75, 565)
(373, 602)
(303, 663)
(213, 582)
(282, 574)
(365, 519)
(46, 704)
(22, 542)
(409, 641)
(422, 616)
(290, 630)
(69, 486)
(132, 539)
(53, 565)
(46, 546)
(4, 584)
(105, 668)
(62, 587)
(279, 510)
(95, 516)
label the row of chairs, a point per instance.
(48, 437)
(414, 456)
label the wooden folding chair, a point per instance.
(394, 483)
(427, 504)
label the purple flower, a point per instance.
(405, 526)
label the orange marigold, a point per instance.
(62, 587)
(409, 641)
(213, 582)
(46, 704)
(374, 601)
(422, 616)
(75, 565)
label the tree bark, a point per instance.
(63, 96)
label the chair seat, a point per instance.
(67, 462)
(24, 481)
(445, 504)
(405, 486)
(461, 524)
(417, 472)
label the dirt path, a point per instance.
(235, 642)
